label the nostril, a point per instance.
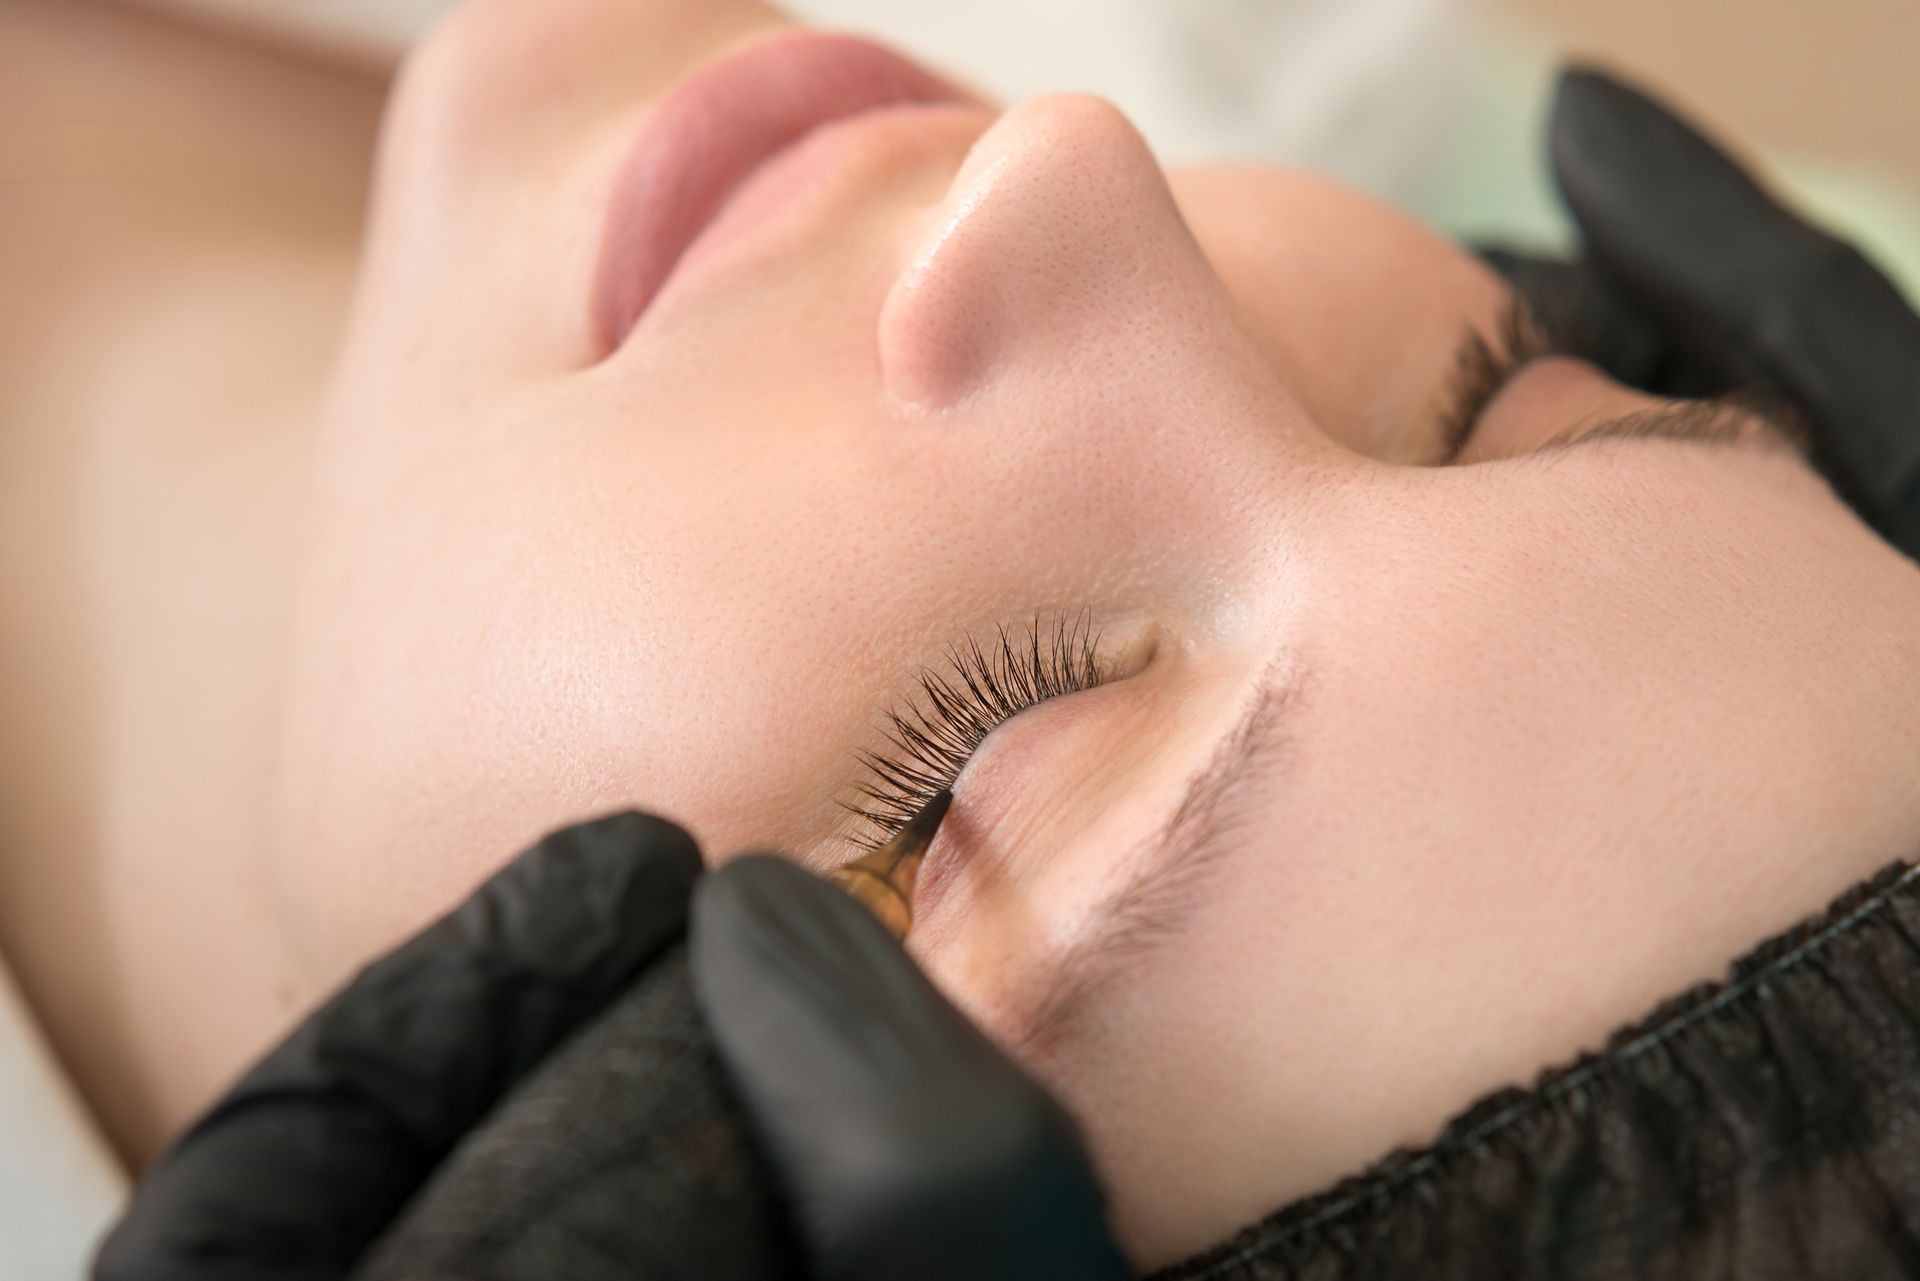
(935, 337)
(937, 322)
(1055, 234)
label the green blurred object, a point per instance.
(1493, 186)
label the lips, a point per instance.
(713, 131)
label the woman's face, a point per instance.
(1383, 750)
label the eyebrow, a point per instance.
(1173, 865)
(1730, 420)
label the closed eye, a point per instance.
(1483, 369)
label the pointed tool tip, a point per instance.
(920, 829)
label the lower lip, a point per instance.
(713, 131)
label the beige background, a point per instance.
(1834, 79)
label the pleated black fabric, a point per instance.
(1764, 1127)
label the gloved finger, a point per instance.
(1747, 286)
(303, 1162)
(907, 1144)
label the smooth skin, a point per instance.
(1548, 738)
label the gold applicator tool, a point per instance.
(883, 881)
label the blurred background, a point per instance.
(1433, 103)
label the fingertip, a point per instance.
(761, 917)
(1584, 81)
(588, 904)
(608, 849)
(763, 886)
(803, 987)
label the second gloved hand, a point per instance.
(1695, 281)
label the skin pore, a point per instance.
(1401, 780)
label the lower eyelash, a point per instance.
(977, 691)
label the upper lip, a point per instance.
(713, 129)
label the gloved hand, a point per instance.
(1694, 280)
(525, 1090)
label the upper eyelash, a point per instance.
(976, 692)
(1526, 333)
(1482, 368)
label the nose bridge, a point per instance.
(1059, 252)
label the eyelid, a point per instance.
(1170, 868)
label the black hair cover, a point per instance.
(1764, 1127)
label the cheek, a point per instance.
(1362, 307)
(497, 83)
(500, 638)
(465, 676)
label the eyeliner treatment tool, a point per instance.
(883, 881)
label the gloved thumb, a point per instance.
(906, 1143)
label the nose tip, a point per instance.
(1058, 229)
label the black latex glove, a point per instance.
(525, 1091)
(1694, 280)
(910, 1147)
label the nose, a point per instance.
(1058, 254)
